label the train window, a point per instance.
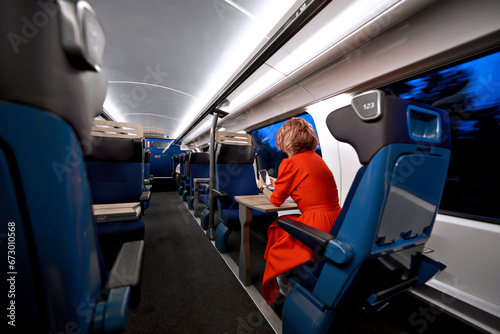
(470, 92)
(270, 156)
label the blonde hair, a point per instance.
(296, 136)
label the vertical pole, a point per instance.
(211, 201)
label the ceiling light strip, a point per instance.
(152, 85)
(299, 19)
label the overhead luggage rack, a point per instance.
(157, 133)
(233, 138)
(116, 129)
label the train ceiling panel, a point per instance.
(165, 61)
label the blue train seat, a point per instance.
(199, 167)
(175, 174)
(183, 174)
(203, 198)
(148, 177)
(375, 249)
(175, 162)
(115, 173)
(235, 176)
(48, 97)
(186, 178)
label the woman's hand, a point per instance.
(261, 182)
(266, 190)
(272, 181)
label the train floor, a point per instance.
(189, 287)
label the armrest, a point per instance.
(111, 314)
(321, 242)
(219, 193)
(313, 238)
(145, 196)
(126, 270)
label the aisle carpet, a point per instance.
(186, 286)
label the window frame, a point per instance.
(259, 164)
(437, 69)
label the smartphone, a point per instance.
(265, 176)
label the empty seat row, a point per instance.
(115, 169)
(234, 176)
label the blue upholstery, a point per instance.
(183, 173)
(57, 253)
(387, 217)
(177, 176)
(235, 176)
(115, 174)
(44, 227)
(47, 104)
(114, 182)
(147, 166)
(205, 214)
(199, 167)
(148, 177)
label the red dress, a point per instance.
(308, 180)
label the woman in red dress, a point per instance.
(307, 179)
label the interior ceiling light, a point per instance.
(330, 104)
(241, 9)
(111, 110)
(269, 78)
(234, 57)
(348, 17)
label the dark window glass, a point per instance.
(270, 156)
(470, 92)
(162, 144)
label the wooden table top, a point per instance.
(261, 203)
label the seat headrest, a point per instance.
(36, 70)
(234, 154)
(199, 158)
(116, 149)
(374, 120)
